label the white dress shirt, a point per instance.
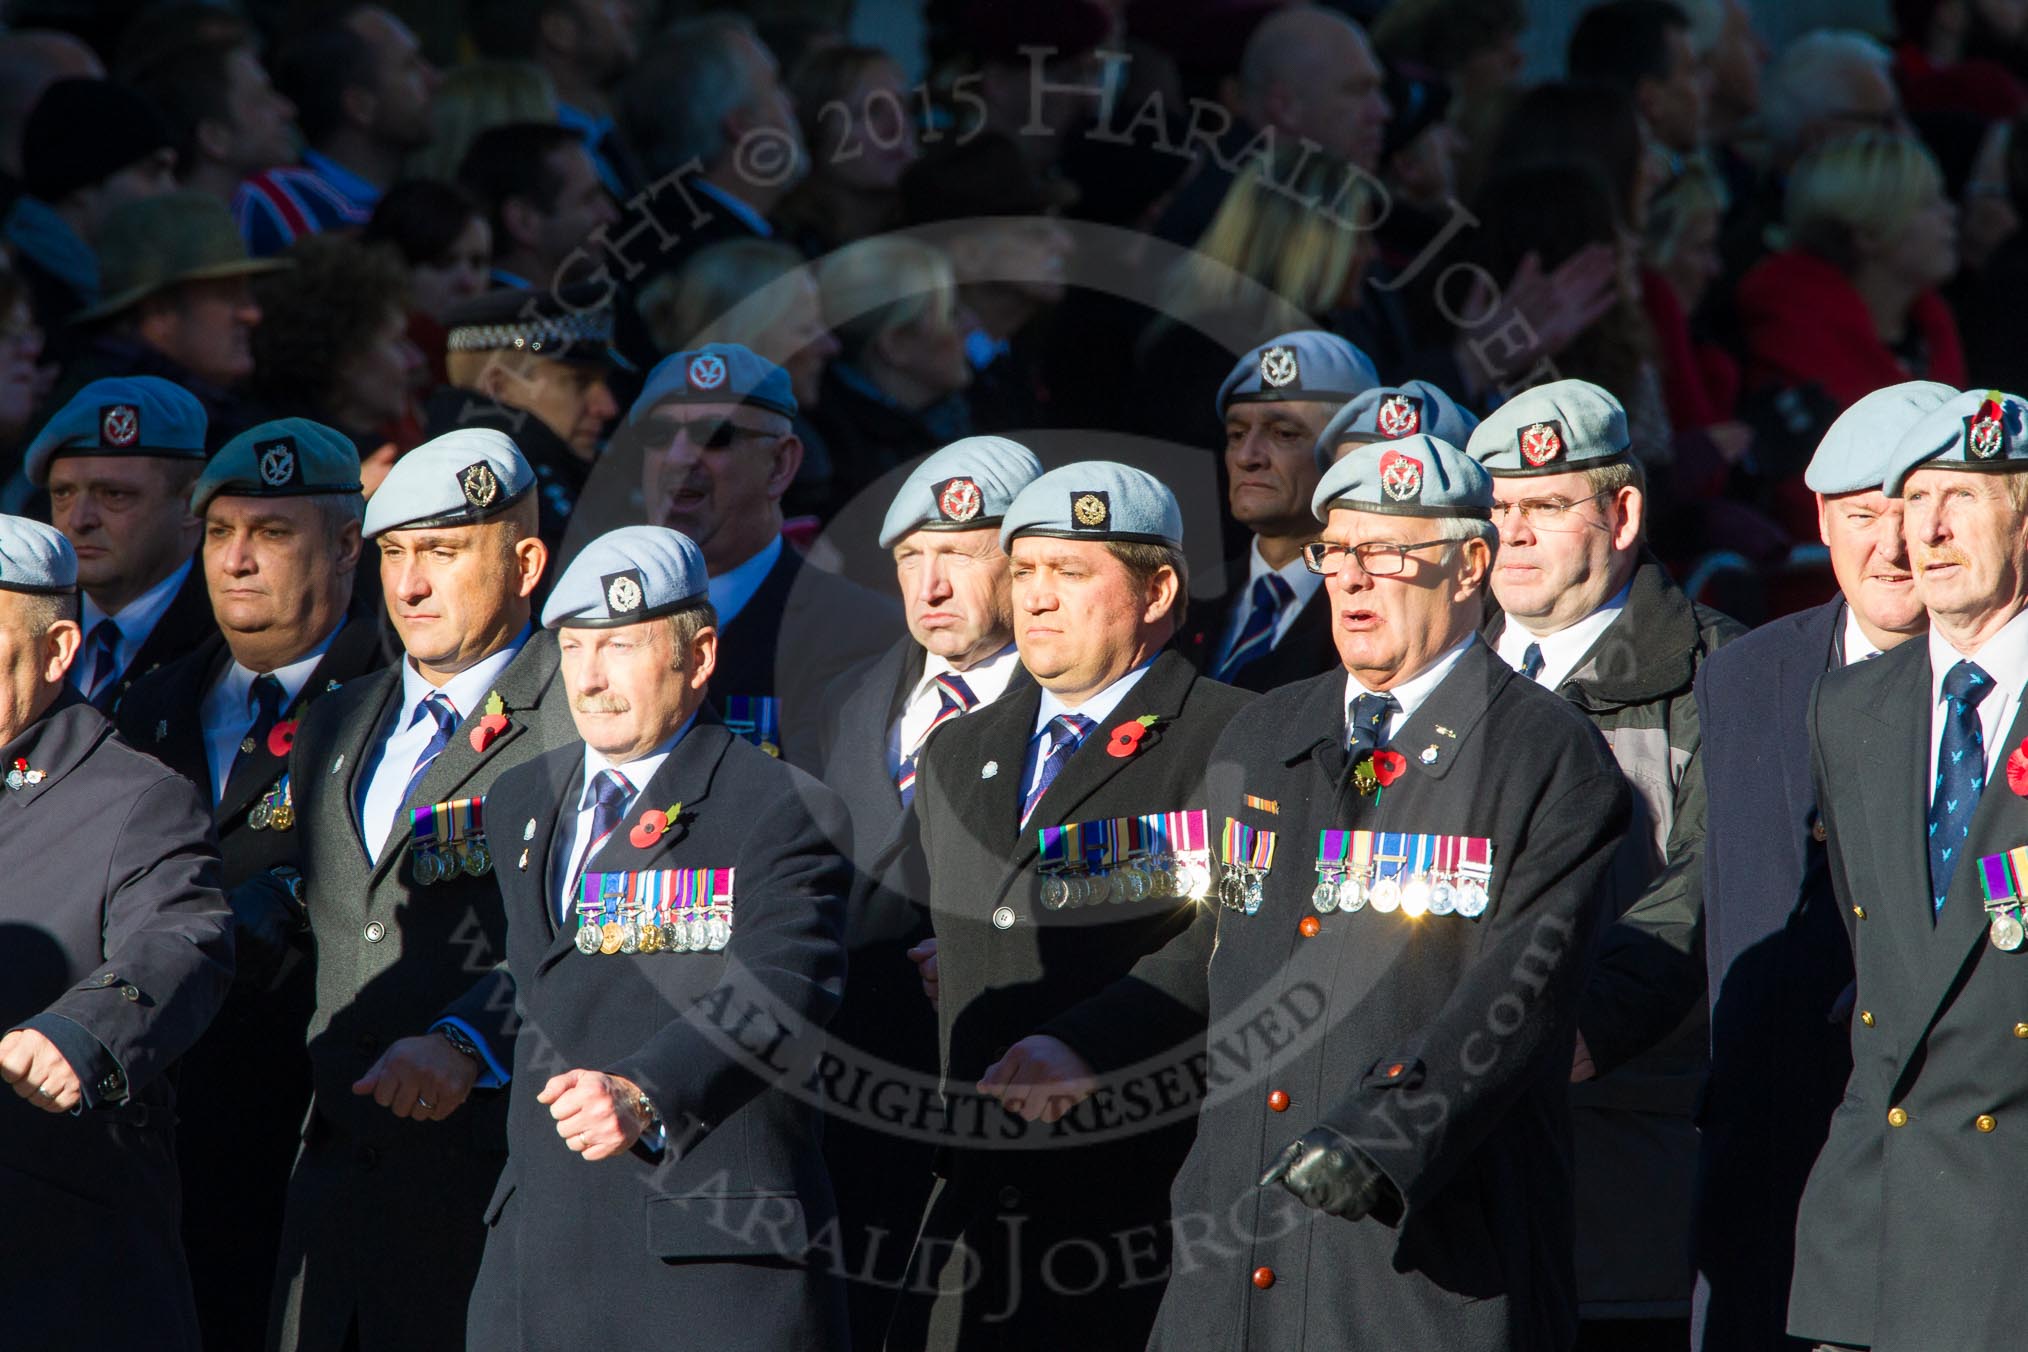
(228, 711)
(403, 739)
(1302, 582)
(2004, 658)
(986, 680)
(1096, 709)
(1564, 649)
(1857, 647)
(1411, 693)
(137, 620)
(732, 589)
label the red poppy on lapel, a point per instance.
(486, 729)
(1126, 738)
(653, 823)
(281, 737)
(1389, 766)
(2017, 769)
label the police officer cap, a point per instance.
(286, 458)
(573, 323)
(1307, 364)
(626, 576)
(1552, 429)
(717, 373)
(1979, 430)
(1416, 476)
(1391, 412)
(1096, 500)
(1855, 450)
(460, 478)
(968, 485)
(35, 557)
(122, 415)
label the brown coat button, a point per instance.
(1278, 1101)
(1985, 1122)
(1263, 1277)
(1817, 832)
(1310, 928)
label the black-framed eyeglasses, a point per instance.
(713, 434)
(1549, 512)
(1377, 558)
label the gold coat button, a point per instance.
(1817, 832)
(1866, 1017)
(1985, 1122)
(1859, 911)
(2021, 1030)
(1897, 1117)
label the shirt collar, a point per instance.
(1857, 647)
(467, 690)
(1411, 693)
(239, 679)
(2004, 657)
(347, 183)
(139, 616)
(1098, 707)
(641, 769)
(987, 679)
(745, 214)
(1295, 572)
(732, 589)
(1564, 649)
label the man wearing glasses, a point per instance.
(1390, 1008)
(1593, 616)
(718, 453)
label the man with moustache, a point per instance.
(382, 1235)
(1414, 846)
(1775, 960)
(118, 461)
(281, 511)
(1271, 626)
(719, 449)
(115, 950)
(1917, 764)
(1061, 1242)
(665, 869)
(1590, 614)
(943, 529)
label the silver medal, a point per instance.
(1385, 896)
(1415, 896)
(1325, 897)
(2006, 932)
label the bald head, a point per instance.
(30, 62)
(1310, 72)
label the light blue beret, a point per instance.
(717, 373)
(1979, 430)
(460, 478)
(1416, 476)
(124, 415)
(1552, 429)
(968, 485)
(1391, 412)
(1855, 450)
(1307, 364)
(1096, 500)
(626, 576)
(35, 557)
(286, 458)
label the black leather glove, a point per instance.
(268, 925)
(1330, 1174)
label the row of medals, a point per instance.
(271, 814)
(1138, 879)
(1340, 889)
(697, 934)
(2006, 930)
(469, 857)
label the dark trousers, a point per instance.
(1633, 1335)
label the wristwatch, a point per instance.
(457, 1037)
(652, 1135)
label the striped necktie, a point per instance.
(1270, 594)
(607, 795)
(1066, 733)
(439, 707)
(955, 700)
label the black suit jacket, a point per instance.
(677, 1235)
(1905, 1231)
(1306, 650)
(1777, 958)
(187, 623)
(115, 944)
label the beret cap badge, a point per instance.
(624, 592)
(277, 461)
(706, 371)
(1090, 511)
(959, 500)
(1401, 476)
(1278, 367)
(479, 484)
(1398, 416)
(1985, 432)
(120, 425)
(1541, 442)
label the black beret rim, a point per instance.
(1100, 536)
(1624, 456)
(463, 516)
(1433, 513)
(245, 488)
(26, 590)
(151, 452)
(1997, 465)
(636, 617)
(1288, 396)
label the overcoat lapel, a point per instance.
(253, 776)
(1896, 801)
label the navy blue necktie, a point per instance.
(1531, 662)
(103, 645)
(607, 796)
(955, 700)
(1270, 594)
(439, 707)
(1960, 775)
(1066, 733)
(1367, 720)
(266, 699)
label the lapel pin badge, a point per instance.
(524, 861)
(528, 831)
(989, 769)
(1445, 731)
(1429, 755)
(338, 765)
